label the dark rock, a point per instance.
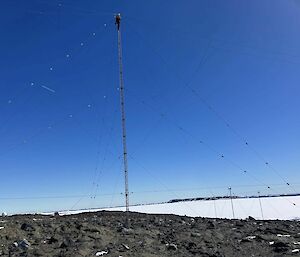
(85, 234)
(27, 227)
(211, 225)
(194, 234)
(126, 247)
(51, 240)
(128, 231)
(239, 223)
(92, 230)
(280, 247)
(67, 242)
(24, 244)
(172, 247)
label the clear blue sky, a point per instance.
(241, 57)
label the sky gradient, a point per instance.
(202, 78)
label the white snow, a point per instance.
(250, 237)
(273, 208)
(101, 253)
(279, 235)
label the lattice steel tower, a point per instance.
(122, 102)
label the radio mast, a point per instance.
(122, 102)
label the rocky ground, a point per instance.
(104, 234)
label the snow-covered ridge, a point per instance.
(284, 208)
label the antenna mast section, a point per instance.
(230, 194)
(122, 99)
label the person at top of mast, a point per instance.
(118, 20)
